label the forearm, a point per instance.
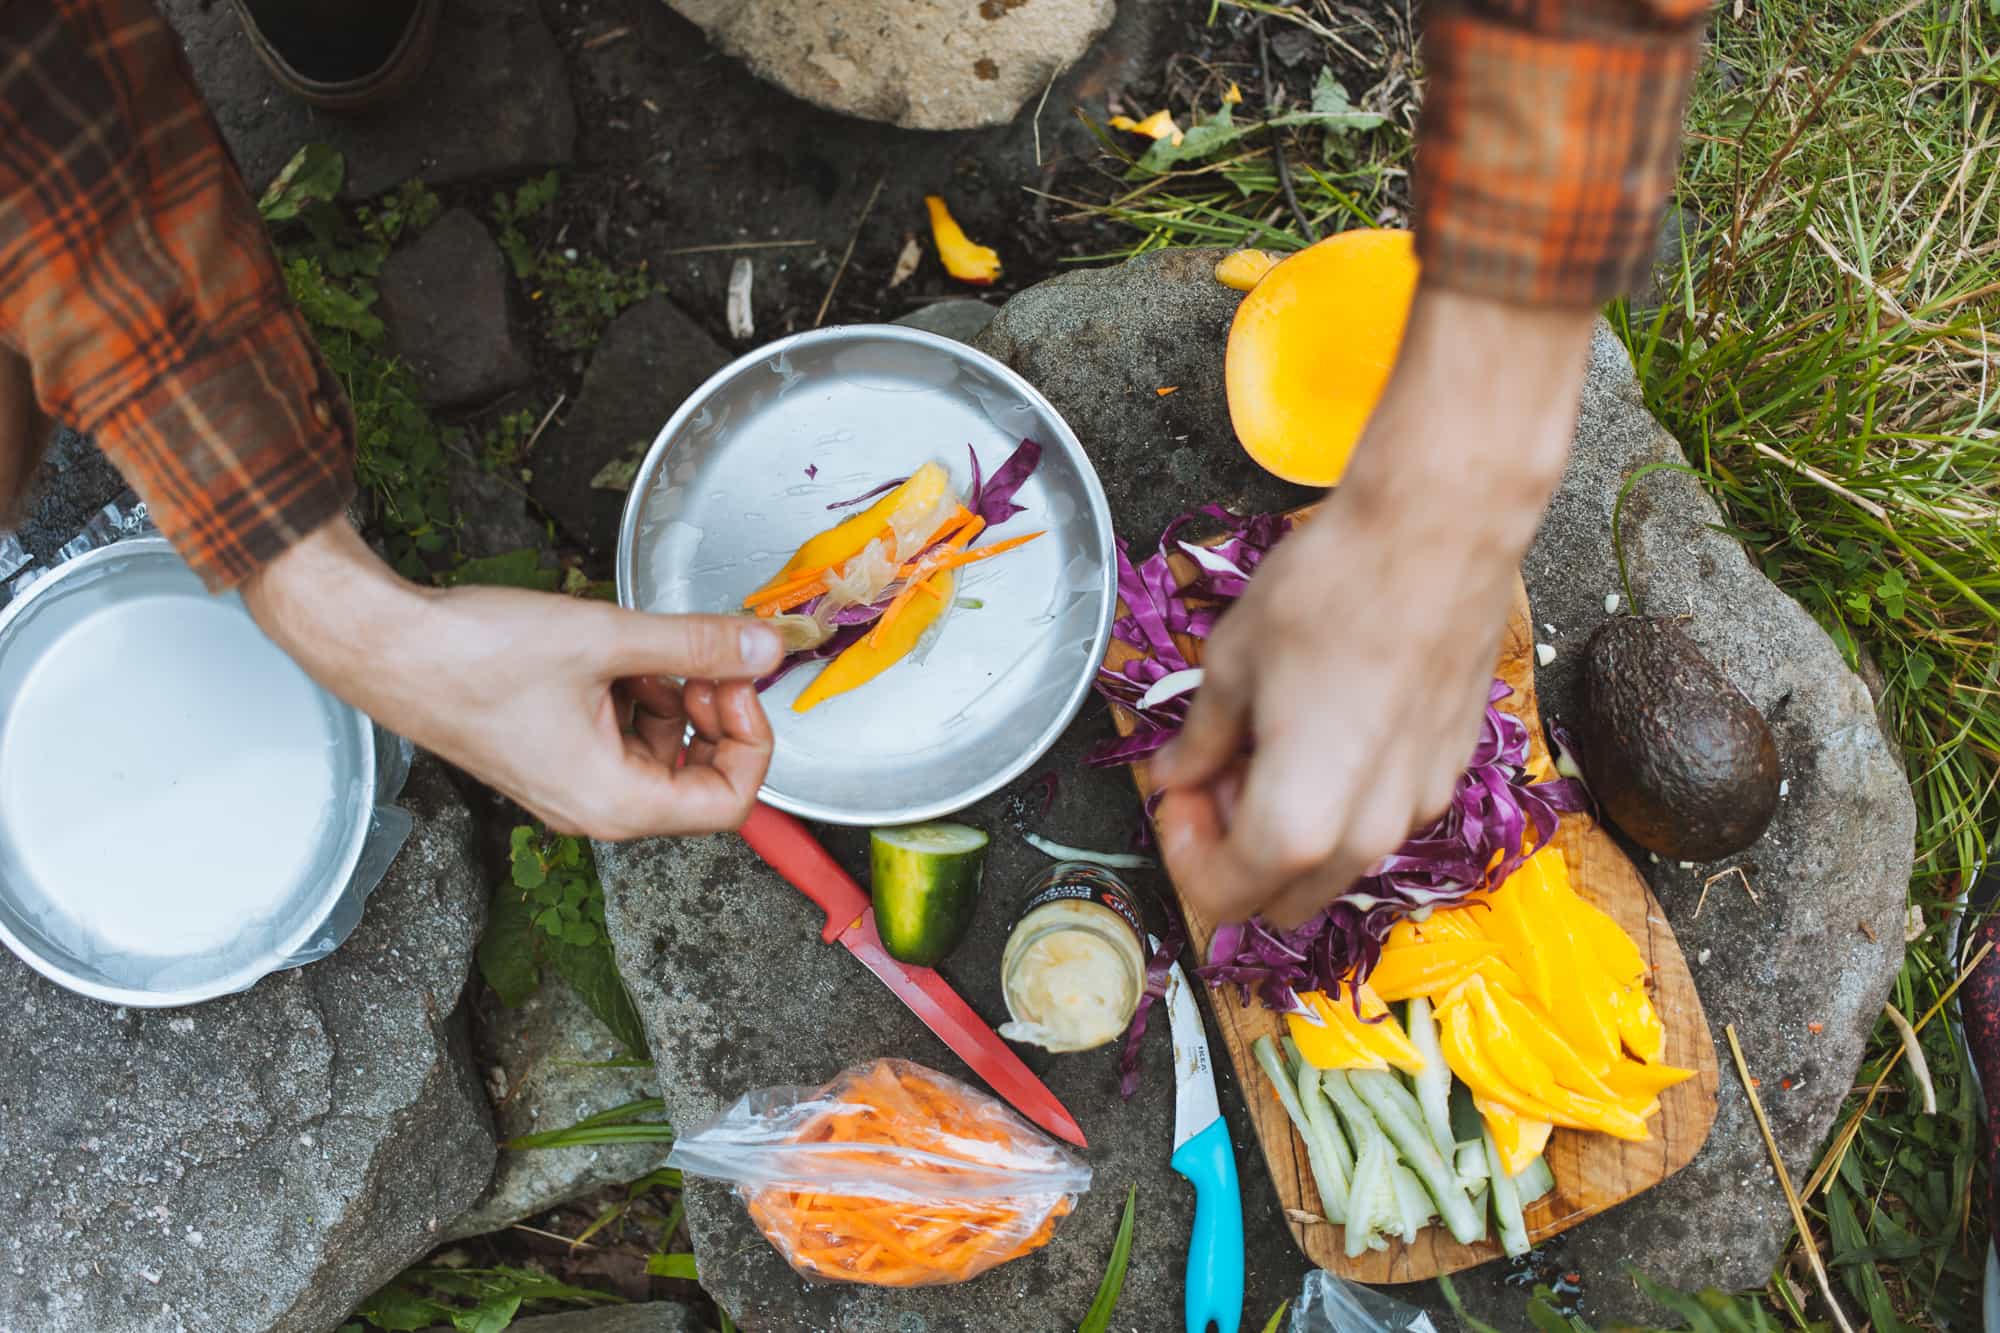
(350, 621)
(1474, 426)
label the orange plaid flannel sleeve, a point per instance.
(1547, 147)
(136, 278)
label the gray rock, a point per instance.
(920, 64)
(736, 992)
(537, 1060)
(1100, 342)
(492, 508)
(260, 1163)
(650, 358)
(652, 1317)
(494, 102)
(444, 301)
(1834, 863)
(963, 320)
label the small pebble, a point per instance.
(1545, 653)
(1687, 865)
(1702, 957)
(1655, 856)
(1611, 604)
(1785, 788)
(1550, 628)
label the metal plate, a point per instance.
(723, 499)
(180, 805)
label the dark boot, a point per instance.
(344, 55)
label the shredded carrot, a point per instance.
(905, 1242)
(957, 559)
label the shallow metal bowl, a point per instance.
(744, 472)
(181, 808)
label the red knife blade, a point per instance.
(789, 848)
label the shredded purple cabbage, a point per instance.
(812, 470)
(1495, 819)
(992, 498)
(1047, 784)
(883, 489)
(843, 638)
(1156, 987)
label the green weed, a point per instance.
(470, 1300)
(550, 913)
(1098, 1317)
(575, 294)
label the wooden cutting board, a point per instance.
(1592, 1171)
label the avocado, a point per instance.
(1674, 753)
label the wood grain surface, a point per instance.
(1593, 1172)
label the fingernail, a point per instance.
(760, 646)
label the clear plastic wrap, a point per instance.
(891, 1174)
(1328, 1304)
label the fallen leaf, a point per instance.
(911, 255)
(1867, 930)
(617, 475)
(1159, 125)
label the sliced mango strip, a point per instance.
(1374, 1032)
(963, 258)
(1519, 1140)
(1426, 969)
(848, 538)
(1629, 1078)
(867, 659)
(1159, 125)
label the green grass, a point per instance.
(1825, 359)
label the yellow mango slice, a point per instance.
(845, 540)
(1579, 993)
(1519, 1139)
(866, 659)
(1374, 1032)
(1441, 926)
(1327, 1045)
(1540, 1036)
(1426, 969)
(1469, 1062)
(1629, 1079)
(1615, 951)
(1639, 1026)
(1511, 924)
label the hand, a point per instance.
(1360, 656)
(567, 706)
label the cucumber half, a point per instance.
(926, 885)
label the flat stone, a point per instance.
(262, 1162)
(537, 1058)
(492, 508)
(1834, 865)
(1101, 343)
(444, 301)
(495, 101)
(649, 359)
(919, 64)
(652, 1317)
(963, 320)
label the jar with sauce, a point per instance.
(1075, 964)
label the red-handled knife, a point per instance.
(789, 848)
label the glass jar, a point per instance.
(1075, 962)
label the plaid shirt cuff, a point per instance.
(1544, 162)
(240, 453)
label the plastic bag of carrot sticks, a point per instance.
(892, 1174)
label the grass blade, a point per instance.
(1098, 1317)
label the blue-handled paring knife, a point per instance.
(1202, 1153)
